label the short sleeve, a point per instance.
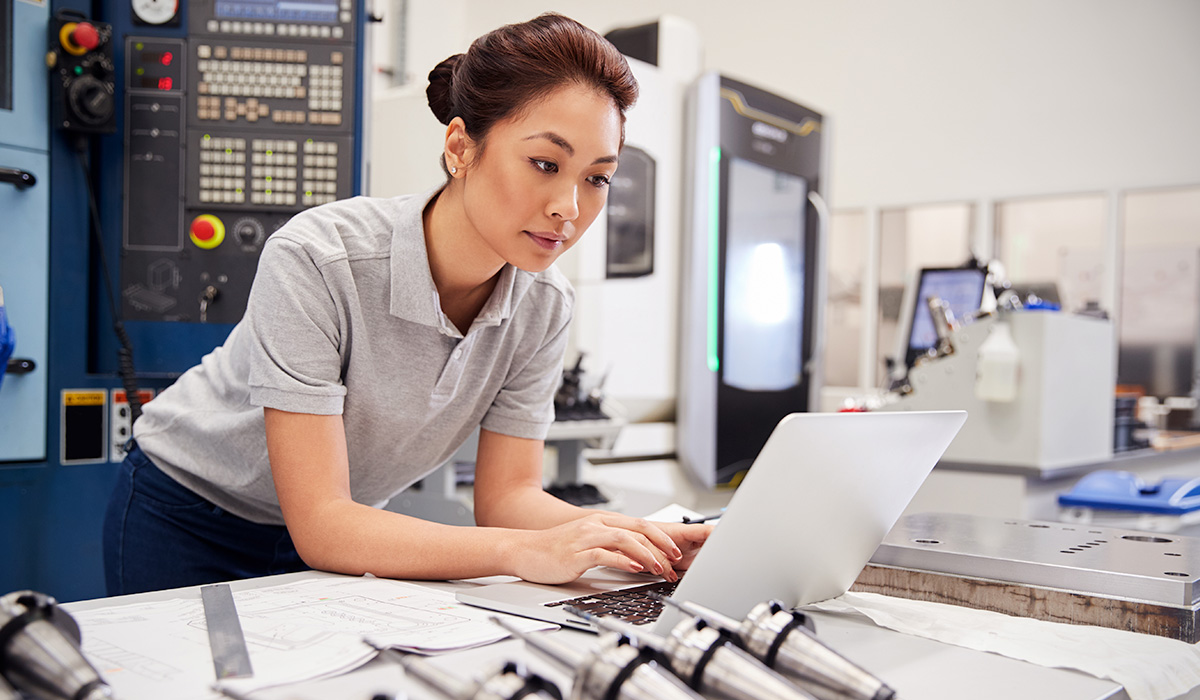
(524, 407)
(296, 333)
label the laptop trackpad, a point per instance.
(529, 599)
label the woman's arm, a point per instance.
(508, 485)
(509, 493)
(310, 467)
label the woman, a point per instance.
(379, 334)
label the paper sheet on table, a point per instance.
(673, 513)
(1150, 668)
(296, 631)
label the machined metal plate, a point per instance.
(1108, 562)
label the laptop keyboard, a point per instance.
(633, 605)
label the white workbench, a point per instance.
(918, 668)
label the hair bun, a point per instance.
(439, 92)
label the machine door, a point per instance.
(24, 226)
(24, 250)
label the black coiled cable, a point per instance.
(125, 352)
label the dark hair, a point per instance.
(507, 69)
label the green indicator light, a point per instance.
(268, 191)
(714, 254)
(207, 137)
(270, 153)
(309, 141)
(228, 150)
(238, 190)
(141, 71)
(308, 193)
(78, 70)
(268, 178)
(139, 46)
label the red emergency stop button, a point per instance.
(85, 35)
(207, 231)
(71, 33)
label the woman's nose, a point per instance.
(565, 204)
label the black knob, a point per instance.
(90, 100)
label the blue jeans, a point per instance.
(159, 534)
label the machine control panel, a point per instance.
(82, 83)
(237, 172)
(265, 87)
(230, 132)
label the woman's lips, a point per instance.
(545, 239)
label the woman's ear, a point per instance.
(458, 148)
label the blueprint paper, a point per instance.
(294, 632)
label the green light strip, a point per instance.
(714, 254)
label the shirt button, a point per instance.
(458, 353)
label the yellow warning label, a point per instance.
(83, 398)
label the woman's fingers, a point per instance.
(651, 531)
(636, 546)
(614, 560)
(619, 542)
(689, 538)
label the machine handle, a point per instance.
(19, 178)
(20, 365)
(813, 366)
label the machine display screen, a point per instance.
(315, 11)
(764, 278)
(961, 288)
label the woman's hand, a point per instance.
(563, 553)
(688, 538)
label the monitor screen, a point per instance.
(764, 278)
(961, 288)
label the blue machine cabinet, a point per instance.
(229, 116)
(24, 276)
(25, 238)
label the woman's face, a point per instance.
(543, 176)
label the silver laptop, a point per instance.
(817, 502)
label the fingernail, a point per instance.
(658, 569)
(636, 566)
(676, 553)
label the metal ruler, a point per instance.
(231, 659)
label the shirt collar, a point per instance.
(414, 297)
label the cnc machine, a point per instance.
(164, 141)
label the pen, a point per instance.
(703, 518)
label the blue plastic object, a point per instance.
(8, 341)
(1117, 490)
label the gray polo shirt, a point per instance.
(344, 319)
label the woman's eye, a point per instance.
(599, 180)
(544, 165)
